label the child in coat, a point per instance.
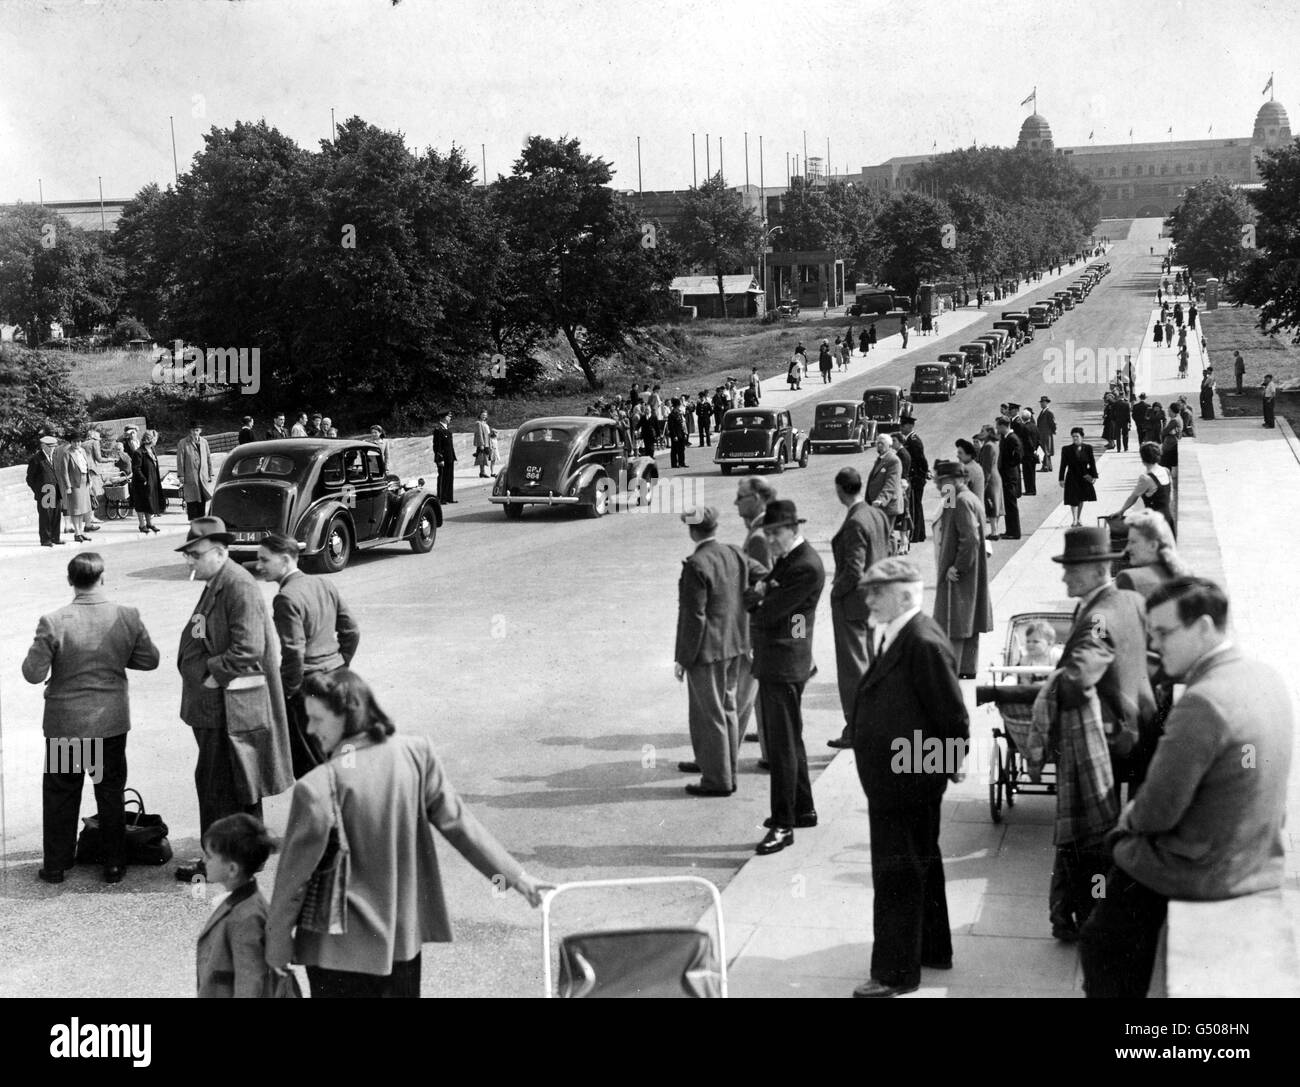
(232, 946)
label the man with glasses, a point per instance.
(1207, 824)
(231, 695)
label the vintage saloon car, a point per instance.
(572, 460)
(335, 497)
(980, 355)
(1022, 318)
(885, 405)
(759, 438)
(841, 423)
(933, 380)
(1012, 329)
(961, 366)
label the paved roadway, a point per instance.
(536, 653)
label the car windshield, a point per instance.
(879, 403)
(556, 435)
(276, 464)
(748, 419)
(928, 371)
(834, 411)
(974, 348)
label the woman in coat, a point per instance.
(798, 367)
(146, 482)
(1207, 393)
(1169, 435)
(1077, 475)
(962, 606)
(994, 499)
(381, 794)
(1159, 333)
(1154, 486)
(74, 481)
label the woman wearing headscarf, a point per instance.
(379, 795)
(994, 499)
(1077, 474)
(146, 482)
(1154, 486)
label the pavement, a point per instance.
(798, 923)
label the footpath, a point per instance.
(798, 923)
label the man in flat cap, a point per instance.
(43, 482)
(784, 604)
(910, 735)
(962, 606)
(712, 635)
(231, 696)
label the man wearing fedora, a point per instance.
(1104, 656)
(712, 636)
(917, 473)
(910, 735)
(194, 469)
(1046, 431)
(962, 605)
(43, 482)
(231, 694)
(1010, 458)
(784, 605)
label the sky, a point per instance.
(87, 86)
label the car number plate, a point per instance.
(532, 473)
(249, 537)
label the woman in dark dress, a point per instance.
(864, 341)
(1207, 393)
(146, 482)
(1108, 420)
(1159, 332)
(872, 338)
(1077, 475)
(1178, 314)
(1154, 486)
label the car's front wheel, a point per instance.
(782, 459)
(337, 551)
(803, 457)
(426, 531)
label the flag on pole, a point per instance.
(1171, 130)
(1267, 86)
(1211, 130)
(1034, 94)
(1130, 133)
(1092, 133)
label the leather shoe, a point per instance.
(689, 767)
(764, 765)
(801, 822)
(751, 737)
(700, 790)
(777, 839)
(871, 987)
(1068, 934)
(839, 743)
(186, 872)
(113, 873)
(53, 875)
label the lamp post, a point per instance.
(766, 235)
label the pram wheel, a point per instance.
(996, 782)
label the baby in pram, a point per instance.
(1038, 649)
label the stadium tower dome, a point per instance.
(1035, 134)
(1272, 127)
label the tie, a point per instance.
(880, 643)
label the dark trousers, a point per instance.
(677, 456)
(917, 507)
(404, 981)
(1121, 438)
(706, 435)
(48, 520)
(214, 779)
(302, 747)
(782, 716)
(851, 658)
(61, 805)
(1239, 388)
(1074, 887)
(446, 478)
(1268, 419)
(910, 906)
(1028, 467)
(195, 509)
(1118, 944)
(1010, 499)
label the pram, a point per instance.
(1014, 699)
(644, 962)
(117, 498)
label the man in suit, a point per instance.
(712, 636)
(85, 649)
(1105, 653)
(277, 430)
(1207, 824)
(910, 735)
(1139, 413)
(1046, 431)
(1122, 420)
(704, 416)
(1022, 424)
(444, 456)
(231, 696)
(300, 426)
(885, 480)
(317, 634)
(962, 605)
(678, 438)
(194, 468)
(43, 482)
(861, 540)
(784, 604)
(752, 496)
(1010, 458)
(917, 474)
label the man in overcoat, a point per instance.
(1046, 431)
(194, 468)
(962, 605)
(1010, 459)
(861, 540)
(917, 474)
(910, 735)
(231, 695)
(784, 604)
(444, 456)
(712, 636)
(885, 480)
(43, 482)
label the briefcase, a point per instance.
(146, 836)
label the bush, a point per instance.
(128, 328)
(36, 393)
(166, 407)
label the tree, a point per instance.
(578, 266)
(1271, 279)
(909, 230)
(36, 393)
(717, 231)
(1207, 226)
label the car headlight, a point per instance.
(409, 484)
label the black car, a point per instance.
(759, 438)
(335, 497)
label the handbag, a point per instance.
(146, 836)
(325, 904)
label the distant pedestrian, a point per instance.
(1158, 334)
(231, 953)
(482, 444)
(1239, 370)
(824, 362)
(1191, 316)
(1207, 393)
(902, 328)
(962, 605)
(752, 497)
(74, 484)
(926, 323)
(848, 340)
(299, 429)
(872, 338)
(845, 351)
(755, 385)
(1077, 475)
(277, 429)
(444, 457)
(794, 373)
(704, 418)
(678, 438)
(194, 469)
(43, 482)
(995, 506)
(146, 482)
(837, 354)
(1046, 431)
(1010, 458)
(378, 438)
(864, 341)
(1268, 398)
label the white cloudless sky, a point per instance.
(87, 86)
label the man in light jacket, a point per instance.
(1207, 823)
(85, 649)
(194, 468)
(885, 480)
